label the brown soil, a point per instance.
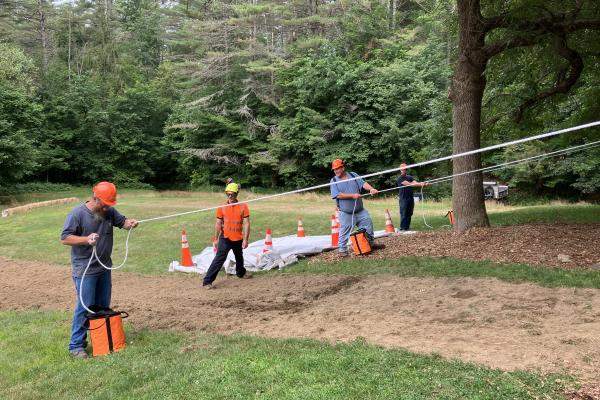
(556, 245)
(487, 321)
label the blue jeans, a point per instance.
(96, 291)
(362, 220)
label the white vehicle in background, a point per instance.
(493, 190)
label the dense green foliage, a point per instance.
(190, 92)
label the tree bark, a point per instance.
(43, 35)
(70, 42)
(466, 93)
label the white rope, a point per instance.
(433, 161)
(95, 255)
(491, 168)
(436, 160)
(423, 209)
(500, 166)
(439, 180)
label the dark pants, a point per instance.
(407, 207)
(222, 250)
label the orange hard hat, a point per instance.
(337, 163)
(106, 192)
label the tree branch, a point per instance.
(532, 31)
(567, 77)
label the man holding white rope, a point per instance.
(88, 225)
(405, 197)
(347, 194)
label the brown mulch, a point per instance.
(565, 246)
(586, 392)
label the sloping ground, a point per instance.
(502, 325)
(555, 245)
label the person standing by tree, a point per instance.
(232, 230)
(88, 225)
(406, 196)
(347, 195)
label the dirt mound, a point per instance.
(555, 245)
(486, 321)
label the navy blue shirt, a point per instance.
(348, 187)
(82, 222)
(405, 192)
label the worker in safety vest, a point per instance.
(232, 230)
(88, 225)
(347, 194)
(406, 196)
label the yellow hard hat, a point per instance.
(232, 187)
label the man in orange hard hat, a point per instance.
(347, 194)
(88, 225)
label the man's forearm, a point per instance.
(218, 228)
(73, 240)
(246, 229)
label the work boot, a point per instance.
(79, 353)
(247, 275)
(377, 246)
(343, 254)
(208, 286)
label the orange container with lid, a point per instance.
(106, 331)
(360, 242)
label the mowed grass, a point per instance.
(167, 365)
(35, 235)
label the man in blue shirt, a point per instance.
(88, 225)
(352, 213)
(406, 196)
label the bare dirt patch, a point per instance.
(555, 245)
(502, 325)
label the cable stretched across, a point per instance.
(493, 168)
(388, 171)
(503, 165)
(433, 161)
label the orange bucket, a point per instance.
(360, 243)
(106, 331)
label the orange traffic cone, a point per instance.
(300, 228)
(268, 242)
(186, 255)
(214, 241)
(389, 226)
(335, 232)
(450, 215)
(337, 217)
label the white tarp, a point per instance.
(286, 251)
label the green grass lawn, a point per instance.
(166, 365)
(34, 236)
(34, 362)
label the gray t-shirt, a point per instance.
(346, 186)
(82, 222)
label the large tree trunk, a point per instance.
(466, 94)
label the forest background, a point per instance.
(183, 94)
